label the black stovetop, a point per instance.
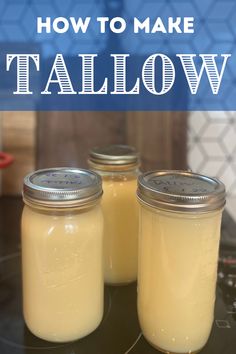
(119, 332)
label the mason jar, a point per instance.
(62, 234)
(118, 165)
(180, 221)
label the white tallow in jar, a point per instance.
(180, 219)
(118, 166)
(62, 232)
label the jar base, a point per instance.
(172, 352)
(62, 341)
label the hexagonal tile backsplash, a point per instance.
(212, 149)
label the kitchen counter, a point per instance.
(119, 332)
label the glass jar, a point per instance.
(180, 220)
(118, 165)
(62, 234)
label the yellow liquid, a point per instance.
(62, 273)
(177, 278)
(120, 209)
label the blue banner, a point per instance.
(118, 55)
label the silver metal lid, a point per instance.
(62, 187)
(181, 191)
(114, 155)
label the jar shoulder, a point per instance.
(86, 221)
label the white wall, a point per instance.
(212, 149)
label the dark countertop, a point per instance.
(119, 332)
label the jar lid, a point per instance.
(114, 155)
(62, 187)
(181, 191)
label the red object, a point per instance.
(5, 160)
